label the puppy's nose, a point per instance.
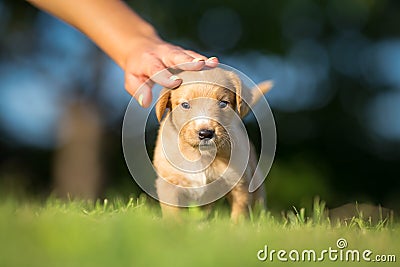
(206, 134)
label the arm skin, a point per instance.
(129, 40)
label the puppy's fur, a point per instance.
(185, 126)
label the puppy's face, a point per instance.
(203, 113)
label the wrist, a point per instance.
(146, 40)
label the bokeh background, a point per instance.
(336, 100)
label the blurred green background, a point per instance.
(336, 100)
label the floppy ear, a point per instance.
(243, 96)
(163, 103)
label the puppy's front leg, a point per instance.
(239, 199)
(170, 212)
(167, 193)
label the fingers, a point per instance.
(178, 57)
(155, 65)
(155, 69)
(194, 54)
(140, 89)
(211, 62)
(187, 59)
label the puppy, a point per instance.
(202, 150)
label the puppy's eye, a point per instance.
(185, 105)
(223, 104)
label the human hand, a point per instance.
(130, 41)
(151, 56)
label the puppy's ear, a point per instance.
(163, 103)
(243, 96)
(259, 91)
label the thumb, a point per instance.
(140, 89)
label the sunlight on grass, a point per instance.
(132, 233)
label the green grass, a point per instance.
(132, 233)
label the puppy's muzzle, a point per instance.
(206, 134)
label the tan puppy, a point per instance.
(196, 139)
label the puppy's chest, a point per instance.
(206, 176)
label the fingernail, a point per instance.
(198, 59)
(212, 59)
(174, 78)
(140, 99)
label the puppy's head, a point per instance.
(203, 108)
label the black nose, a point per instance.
(206, 134)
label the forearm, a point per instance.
(130, 41)
(112, 25)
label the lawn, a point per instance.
(132, 233)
